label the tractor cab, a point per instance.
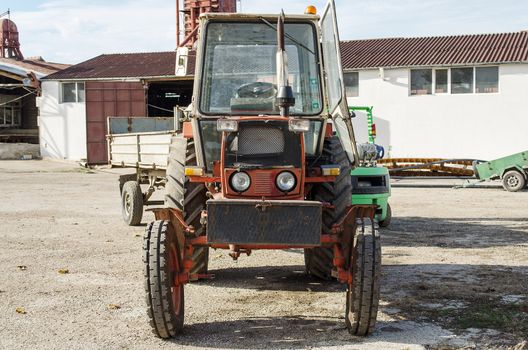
(237, 121)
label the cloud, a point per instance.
(71, 31)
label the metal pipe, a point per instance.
(177, 23)
(189, 37)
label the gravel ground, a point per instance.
(454, 275)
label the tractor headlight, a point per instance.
(285, 181)
(240, 181)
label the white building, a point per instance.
(446, 97)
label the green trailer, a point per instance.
(512, 170)
(371, 183)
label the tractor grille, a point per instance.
(260, 140)
(262, 183)
(263, 144)
(370, 184)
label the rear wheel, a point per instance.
(513, 181)
(319, 261)
(132, 203)
(189, 197)
(386, 222)
(362, 297)
(165, 297)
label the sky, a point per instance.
(71, 31)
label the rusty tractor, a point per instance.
(263, 161)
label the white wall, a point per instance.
(481, 126)
(62, 126)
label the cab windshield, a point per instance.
(239, 73)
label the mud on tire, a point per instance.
(162, 259)
(318, 261)
(189, 197)
(362, 297)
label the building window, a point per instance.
(72, 92)
(421, 81)
(486, 80)
(351, 84)
(440, 81)
(10, 114)
(462, 80)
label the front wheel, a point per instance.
(163, 262)
(362, 297)
(513, 181)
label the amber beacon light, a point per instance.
(310, 10)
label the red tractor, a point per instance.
(263, 161)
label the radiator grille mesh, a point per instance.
(260, 140)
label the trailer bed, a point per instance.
(495, 169)
(145, 150)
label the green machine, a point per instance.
(512, 170)
(371, 183)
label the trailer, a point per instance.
(142, 145)
(512, 170)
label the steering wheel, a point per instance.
(256, 90)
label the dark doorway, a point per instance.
(18, 111)
(164, 96)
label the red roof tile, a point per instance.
(435, 51)
(123, 65)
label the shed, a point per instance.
(19, 85)
(76, 101)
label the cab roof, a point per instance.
(245, 16)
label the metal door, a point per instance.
(109, 99)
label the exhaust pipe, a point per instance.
(285, 98)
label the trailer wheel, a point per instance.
(513, 181)
(388, 217)
(189, 197)
(123, 179)
(132, 203)
(319, 261)
(163, 261)
(362, 297)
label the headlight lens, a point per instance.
(285, 181)
(240, 181)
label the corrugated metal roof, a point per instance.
(33, 64)
(123, 65)
(435, 51)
